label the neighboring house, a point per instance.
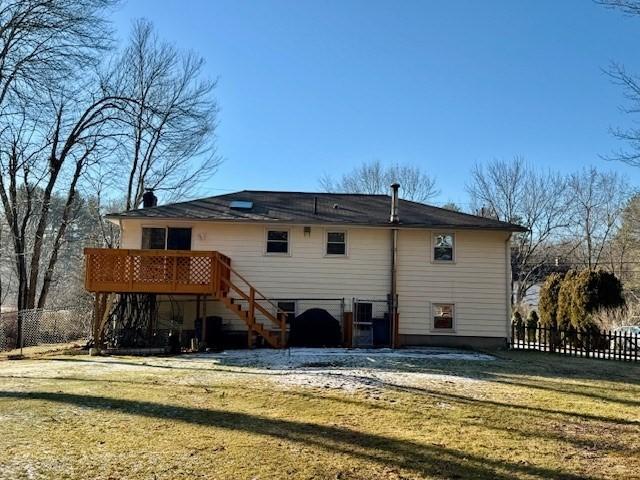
(450, 271)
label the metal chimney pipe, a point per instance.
(394, 203)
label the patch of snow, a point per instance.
(309, 357)
(348, 370)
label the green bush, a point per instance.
(548, 302)
(518, 324)
(591, 291)
(532, 325)
(565, 300)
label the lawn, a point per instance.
(520, 415)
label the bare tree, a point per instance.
(630, 85)
(38, 158)
(454, 207)
(374, 178)
(624, 247)
(597, 201)
(170, 145)
(514, 191)
(53, 123)
(630, 7)
(43, 41)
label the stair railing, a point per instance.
(224, 284)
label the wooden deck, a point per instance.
(155, 271)
(182, 272)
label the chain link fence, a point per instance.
(39, 326)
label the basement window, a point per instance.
(443, 247)
(288, 307)
(278, 241)
(336, 243)
(443, 316)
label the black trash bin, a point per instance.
(208, 330)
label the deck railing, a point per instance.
(155, 271)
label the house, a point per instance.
(391, 271)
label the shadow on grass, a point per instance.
(432, 460)
(533, 429)
(454, 397)
(216, 367)
(567, 389)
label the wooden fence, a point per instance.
(610, 345)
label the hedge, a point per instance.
(570, 300)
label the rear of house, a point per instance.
(391, 272)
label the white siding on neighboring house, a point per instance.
(475, 283)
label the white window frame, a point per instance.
(166, 233)
(434, 305)
(266, 241)
(325, 246)
(278, 301)
(433, 247)
(157, 227)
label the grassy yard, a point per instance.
(523, 415)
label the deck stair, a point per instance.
(259, 310)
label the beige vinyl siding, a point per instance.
(307, 272)
(475, 283)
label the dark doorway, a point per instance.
(178, 238)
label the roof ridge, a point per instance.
(281, 205)
(472, 215)
(310, 193)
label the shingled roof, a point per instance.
(299, 208)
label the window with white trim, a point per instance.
(443, 315)
(278, 241)
(336, 243)
(443, 247)
(288, 307)
(169, 238)
(154, 238)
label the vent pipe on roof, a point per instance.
(315, 205)
(149, 199)
(394, 203)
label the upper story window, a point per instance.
(161, 238)
(443, 247)
(443, 316)
(278, 241)
(154, 238)
(178, 238)
(336, 243)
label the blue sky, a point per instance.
(307, 88)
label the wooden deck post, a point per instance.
(96, 319)
(283, 329)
